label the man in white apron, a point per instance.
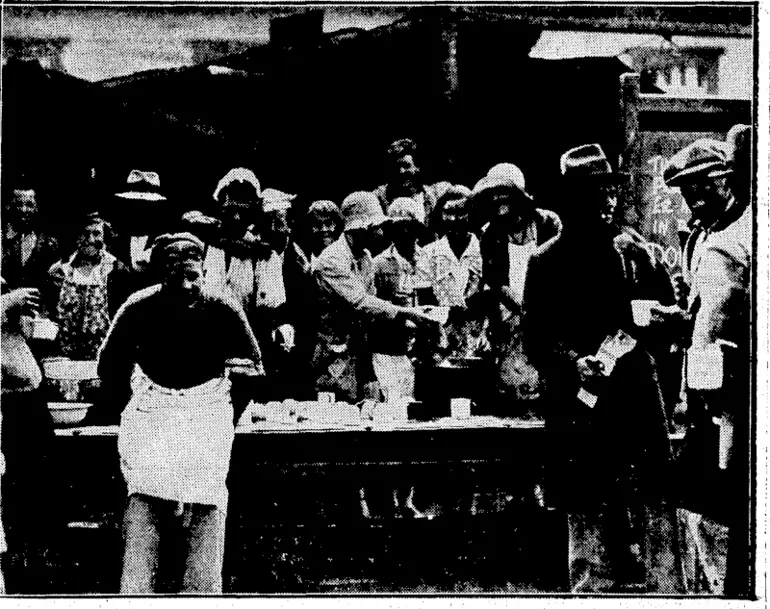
(170, 345)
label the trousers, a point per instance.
(186, 536)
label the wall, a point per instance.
(736, 66)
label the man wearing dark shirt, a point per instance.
(170, 345)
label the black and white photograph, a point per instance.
(317, 300)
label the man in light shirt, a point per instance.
(717, 326)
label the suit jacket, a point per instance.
(33, 273)
(575, 296)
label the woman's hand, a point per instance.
(25, 300)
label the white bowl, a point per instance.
(68, 413)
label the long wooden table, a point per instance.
(295, 522)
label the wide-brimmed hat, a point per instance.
(362, 209)
(406, 208)
(275, 200)
(237, 174)
(502, 176)
(325, 209)
(587, 161)
(705, 157)
(142, 185)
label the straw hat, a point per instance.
(143, 186)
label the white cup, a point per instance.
(705, 367)
(44, 329)
(642, 312)
(461, 408)
(326, 397)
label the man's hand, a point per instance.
(590, 367)
(197, 218)
(248, 246)
(667, 313)
(244, 367)
(284, 337)
(418, 318)
(681, 289)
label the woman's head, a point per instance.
(404, 228)
(93, 233)
(275, 221)
(501, 198)
(324, 222)
(452, 211)
(238, 194)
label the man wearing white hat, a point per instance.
(280, 292)
(142, 186)
(345, 272)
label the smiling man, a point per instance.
(718, 262)
(167, 352)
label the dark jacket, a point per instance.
(575, 297)
(494, 246)
(34, 273)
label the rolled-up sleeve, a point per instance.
(337, 276)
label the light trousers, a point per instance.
(199, 531)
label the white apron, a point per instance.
(176, 444)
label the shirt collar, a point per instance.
(471, 251)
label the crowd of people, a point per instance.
(375, 298)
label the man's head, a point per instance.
(324, 223)
(363, 219)
(404, 172)
(92, 237)
(22, 208)
(700, 171)
(594, 183)
(452, 208)
(179, 260)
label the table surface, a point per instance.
(309, 426)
